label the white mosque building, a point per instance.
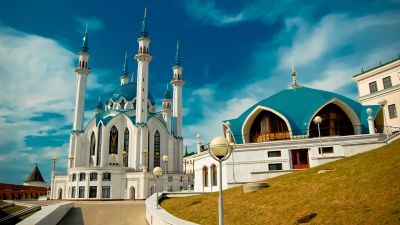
(279, 134)
(114, 155)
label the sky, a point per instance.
(234, 53)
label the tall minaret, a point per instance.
(124, 75)
(177, 82)
(143, 58)
(167, 108)
(82, 71)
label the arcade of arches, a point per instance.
(14, 191)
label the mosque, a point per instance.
(112, 157)
(301, 127)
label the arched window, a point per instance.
(92, 144)
(99, 137)
(157, 149)
(113, 141)
(268, 127)
(205, 176)
(213, 175)
(126, 146)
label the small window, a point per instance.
(82, 177)
(92, 191)
(392, 111)
(73, 191)
(169, 178)
(325, 150)
(105, 192)
(275, 166)
(373, 87)
(106, 176)
(93, 176)
(274, 154)
(181, 179)
(74, 177)
(387, 82)
(81, 191)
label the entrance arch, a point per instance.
(335, 122)
(132, 193)
(60, 193)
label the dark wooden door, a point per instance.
(300, 158)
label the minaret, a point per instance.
(294, 74)
(177, 82)
(82, 71)
(124, 75)
(143, 58)
(167, 108)
(99, 107)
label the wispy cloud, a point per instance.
(93, 23)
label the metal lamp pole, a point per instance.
(165, 160)
(220, 149)
(318, 121)
(157, 172)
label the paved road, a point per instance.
(106, 212)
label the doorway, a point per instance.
(300, 158)
(132, 193)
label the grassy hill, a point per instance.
(363, 189)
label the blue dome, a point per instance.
(128, 91)
(298, 105)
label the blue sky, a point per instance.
(234, 54)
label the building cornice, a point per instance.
(377, 70)
(379, 93)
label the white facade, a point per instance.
(382, 84)
(114, 155)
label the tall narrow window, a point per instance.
(205, 176)
(157, 149)
(387, 82)
(373, 87)
(126, 147)
(92, 144)
(392, 111)
(99, 137)
(113, 141)
(213, 175)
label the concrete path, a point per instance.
(106, 212)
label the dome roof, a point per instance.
(298, 105)
(128, 91)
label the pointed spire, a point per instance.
(99, 105)
(167, 94)
(85, 43)
(132, 78)
(125, 70)
(294, 74)
(177, 55)
(143, 31)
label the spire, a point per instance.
(294, 74)
(177, 56)
(132, 78)
(85, 44)
(35, 175)
(167, 94)
(125, 70)
(143, 31)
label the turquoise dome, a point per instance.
(298, 105)
(128, 91)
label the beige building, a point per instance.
(381, 85)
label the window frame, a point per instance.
(93, 176)
(108, 192)
(270, 154)
(392, 111)
(82, 176)
(108, 178)
(91, 195)
(373, 87)
(387, 82)
(275, 164)
(81, 192)
(326, 150)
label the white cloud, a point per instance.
(94, 24)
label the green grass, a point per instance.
(2, 203)
(363, 189)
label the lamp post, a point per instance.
(382, 103)
(157, 172)
(53, 174)
(318, 120)
(144, 166)
(220, 149)
(165, 160)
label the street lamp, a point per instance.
(165, 160)
(318, 120)
(220, 149)
(157, 172)
(54, 159)
(382, 103)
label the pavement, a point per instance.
(102, 212)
